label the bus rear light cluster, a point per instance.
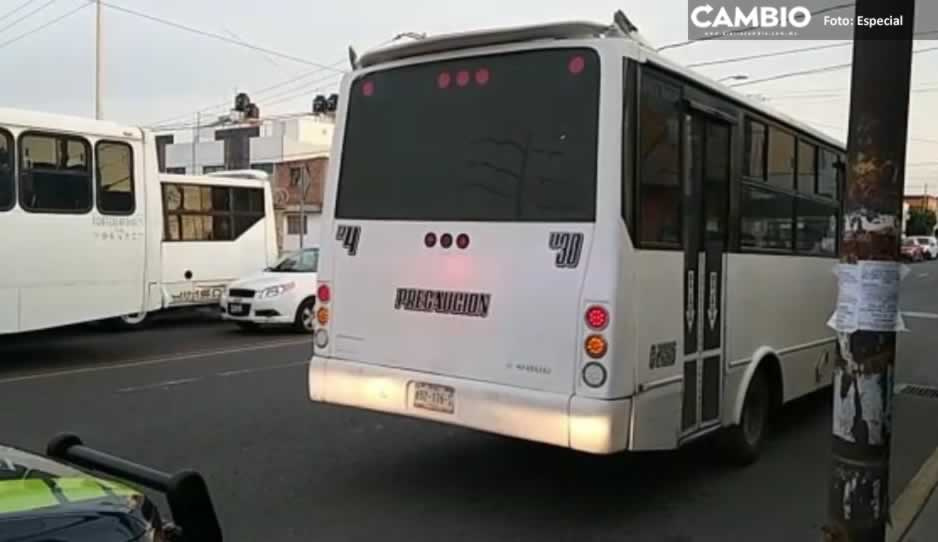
(323, 296)
(596, 346)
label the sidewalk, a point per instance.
(914, 510)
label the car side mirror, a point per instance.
(186, 492)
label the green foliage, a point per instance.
(921, 222)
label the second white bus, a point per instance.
(92, 230)
(556, 234)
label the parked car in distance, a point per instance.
(911, 251)
(930, 244)
(283, 294)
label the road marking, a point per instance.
(239, 372)
(926, 315)
(164, 384)
(913, 498)
(155, 361)
(922, 275)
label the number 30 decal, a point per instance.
(568, 246)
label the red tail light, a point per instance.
(323, 293)
(482, 76)
(597, 317)
(462, 241)
(368, 88)
(446, 240)
(576, 65)
(462, 78)
(443, 80)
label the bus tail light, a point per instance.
(596, 346)
(323, 294)
(322, 316)
(321, 338)
(594, 374)
(597, 317)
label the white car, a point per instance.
(282, 294)
(929, 245)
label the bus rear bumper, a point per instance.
(584, 424)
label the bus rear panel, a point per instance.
(463, 214)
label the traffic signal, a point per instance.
(319, 104)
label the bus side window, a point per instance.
(7, 193)
(55, 173)
(660, 196)
(115, 179)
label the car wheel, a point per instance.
(744, 441)
(305, 316)
(247, 326)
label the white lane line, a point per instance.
(164, 384)
(239, 372)
(155, 361)
(926, 315)
(922, 275)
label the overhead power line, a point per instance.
(44, 26)
(746, 29)
(215, 36)
(16, 9)
(28, 15)
(797, 50)
(813, 71)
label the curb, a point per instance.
(905, 511)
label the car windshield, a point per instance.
(298, 262)
(908, 243)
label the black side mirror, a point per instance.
(186, 491)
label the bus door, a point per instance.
(706, 165)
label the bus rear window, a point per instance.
(508, 137)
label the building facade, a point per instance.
(293, 151)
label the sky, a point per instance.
(154, 73)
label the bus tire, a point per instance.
(130, 322)
(305, 316)
(744, 441)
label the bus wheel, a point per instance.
(303, 322)
(744, 441)
(131, 322)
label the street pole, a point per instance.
(195, 142)
(867, 316)
(97, 64)
(303, 184)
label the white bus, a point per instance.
(92, 230)
(556, 234)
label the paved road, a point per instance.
(199, 394)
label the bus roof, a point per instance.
(22, 118)
(581, 30)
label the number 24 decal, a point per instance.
(569, 246)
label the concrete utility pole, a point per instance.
(867, 316)
(98, 114)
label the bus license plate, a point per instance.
(435, 397)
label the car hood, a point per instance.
(43, 500)
(265, 279)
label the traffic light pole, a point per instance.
(867, 316)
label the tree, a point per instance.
(921, 222)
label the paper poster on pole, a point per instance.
(868, 297)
